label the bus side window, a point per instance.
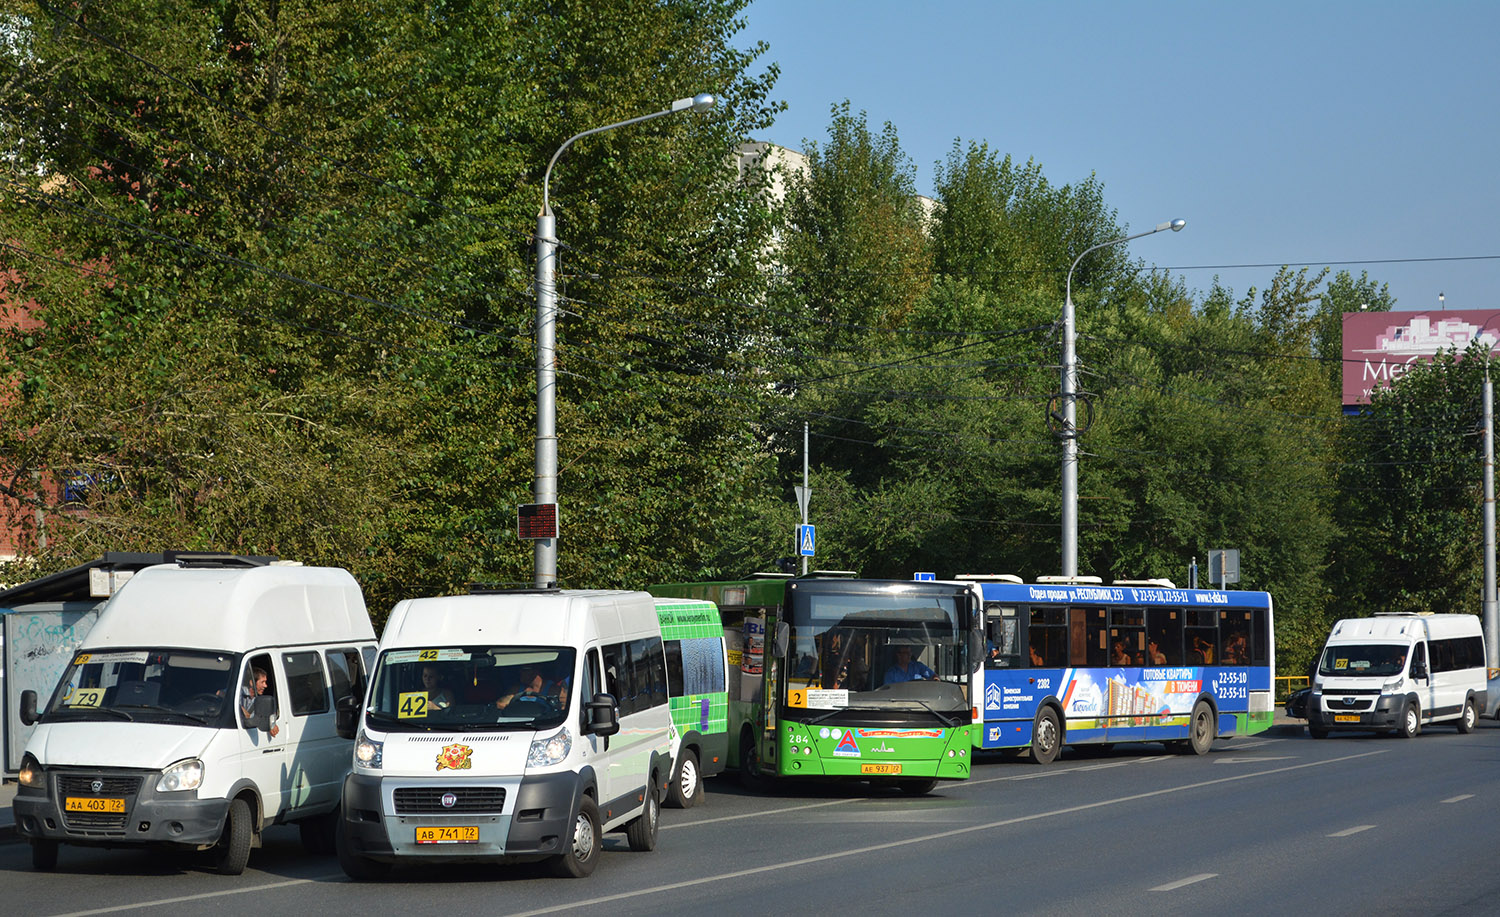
(1002, 648)
(1202, 637)
(1097, 637)
(1047, 638)
(1164, 628)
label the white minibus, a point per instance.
(198, 711)
(506, 726)
(1398, 673)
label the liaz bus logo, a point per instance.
(883, 749)
(847, 747)
(992, 697)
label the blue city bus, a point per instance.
(1076, 662)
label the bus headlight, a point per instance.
(1391, 687)
(184, 775)
(368, 752)
(549, 751)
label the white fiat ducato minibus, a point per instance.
(198, 711)
(1399, 672)
(507, 726)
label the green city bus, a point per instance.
(848, 678)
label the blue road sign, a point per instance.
(924, 577)
(807, 538)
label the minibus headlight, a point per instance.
(31, 771)
(1391, 687)
(184, 775)
(549, 751)
(368, 752)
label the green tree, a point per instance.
(1410, 493)
(281, 257)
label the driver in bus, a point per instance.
(906, 668)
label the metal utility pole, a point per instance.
(1069, 431)
(1491, 620)
(544, 487)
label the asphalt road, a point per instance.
(1273, 823)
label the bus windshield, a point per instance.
(151, 685)
(1364, 660)
(502, 687)
(879, 650)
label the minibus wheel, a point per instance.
(1411, 722)
(44, 855)
(1470, 718)
(687, 789)
(581, 849)
(641, 832)
(233, 850)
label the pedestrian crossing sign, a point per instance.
(807, 538)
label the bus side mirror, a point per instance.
(783, 638)
(602, 718)
(976, 651)
(346, 716)
(1419, 670)
(28, 708)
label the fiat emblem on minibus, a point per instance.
(449, 800)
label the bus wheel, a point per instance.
(917, 787)
(1467, 722)
(582, 853)
(687, 790)
(751, 776)
(1201, 728)
(1411, 722)
(1046, 737)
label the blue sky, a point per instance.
(1284, 133)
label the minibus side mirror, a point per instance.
(1419, 670)
(260, 717)
(346, 716)
(28, 708)
(603, 720)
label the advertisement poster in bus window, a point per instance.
(753, 657)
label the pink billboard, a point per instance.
(1380, 346)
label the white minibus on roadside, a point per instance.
(1399, 672)
(198, 711)
(506, 726)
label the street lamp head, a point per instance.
(703, 101)
(1178, 224)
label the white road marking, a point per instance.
(1459, 798)
(1348, 831)
(724, 818)
(203, 897)
(1173, 886)
(840, 854)
(1233, 760)
(928, 838)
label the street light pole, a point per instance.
(544, 488)
(1069, 431)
